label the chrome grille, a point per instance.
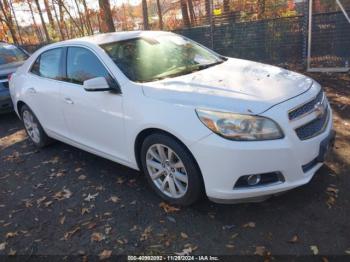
(305, 108)
(314, 127)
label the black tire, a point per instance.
(44, 140)
(195, 187)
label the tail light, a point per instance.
(9, 77)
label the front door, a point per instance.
(94, 119)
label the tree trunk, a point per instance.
(49, 14)
(7, 18)
(207, 7)
(106, 13)
(192, 15)
(62, 23)
(184, 11)
(57, 21)
(160, 17)
(145, 15)
(16, 22)
(72, 19)
(38, 32)
(82, 23)
(48, 39)
(87, 15)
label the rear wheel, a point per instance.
(33, 128)
(171, 169)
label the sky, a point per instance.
(24, 16)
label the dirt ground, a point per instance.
(64, 201)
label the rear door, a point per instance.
(94, 119)
(43, 93)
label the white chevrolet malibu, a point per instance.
(193, 121)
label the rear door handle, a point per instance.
(68, 101)
(32, 90)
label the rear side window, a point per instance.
(83, 65)
(49, 64)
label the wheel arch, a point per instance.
(19, 106)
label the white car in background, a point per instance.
(193, 121)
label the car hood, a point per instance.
(236, 85)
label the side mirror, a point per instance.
(96, 84)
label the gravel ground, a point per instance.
(63, 201)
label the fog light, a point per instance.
(264, 179)
(253, 180)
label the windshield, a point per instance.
(11, 54)
(147, 59)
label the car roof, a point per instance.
(105, 38)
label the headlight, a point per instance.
(240, 127)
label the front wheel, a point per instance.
(33, 128)
(171, 169)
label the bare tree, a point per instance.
(184, 12)
(37, 31)
(16, 21)
(48, 39)
(86, 9)
(7, 19)
(105, 9)
(160, 17)
(82, 23)
(57, 21)
(145, 14)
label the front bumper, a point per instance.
(5, 102)
(223, 162)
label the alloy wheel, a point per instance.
(167, 170)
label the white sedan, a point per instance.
(193, 121)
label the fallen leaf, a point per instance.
(81, 177)
(230, 246)
(114, 199)
(70, 233)
(78, 169)
(314, 250)
(108, 230)
(294, 239)
(85, 210)
(91, 197)
(97, 237)
(185, 252)
(133, 228)
(11, 234)
(260, 250)
(249, 225)
(12, 252)
(184, 235)
(2, 246)
(62, 219)
(48, 203)
(64, 194)
(105, 254)
(168, 208)
(347, 251)
(40, 200)
(146, 233)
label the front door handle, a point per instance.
(32, 90)
(68, 101)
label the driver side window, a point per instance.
(83, 65)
